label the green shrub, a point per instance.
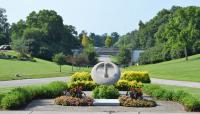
(105, 92)
(15, 99)
(81, 76)
(191, 103)
(86, 85)
(125, 85)
(20, 96)
(122, 85)
(152, 55)
(129, 102)
(137, 76)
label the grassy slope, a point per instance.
(39, 69)
(175, 69)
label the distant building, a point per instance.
(106, 51)
(136, 55)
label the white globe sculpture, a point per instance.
(105, 73)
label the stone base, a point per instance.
(106, 102)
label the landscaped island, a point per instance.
(73, 92)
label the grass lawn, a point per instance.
(178, 69)
(26, 69)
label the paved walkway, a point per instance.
(175, 83)
(64, 112)
(24, 82)
(14, 83)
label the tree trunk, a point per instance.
(72, 68)
(60, 68)
(186, 56)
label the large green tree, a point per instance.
(4, 28)
(44, 34)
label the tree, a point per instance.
(85, 40)
(4, 28)
(108, 41)
(115, 37)
(59, 59)
(44, 34)
(124, 56)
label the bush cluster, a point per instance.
(191, 103)
(136, 75)
(73, 101)
(81, 76)
(105, 92)
(129, 102)
(86, 85)
(21, 96)
(152, 55)
(125, 85)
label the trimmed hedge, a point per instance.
(105, 92)
(86, 85)
(125, 85)
(136, 75)
(190, 102)
(81, 76)
(19, 97)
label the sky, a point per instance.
(98, 16)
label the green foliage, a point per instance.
(15, 99)
(136, 76)
(105, 92)
(19, 97)
(43, 34)
(4, 28)
(129, 102)
(59, 59)
(170, 34)
(152, 55)
(108, 41)
(90, 55)
(85, 41)
(124, 56)
(190, 102)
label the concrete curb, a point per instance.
(64, 112)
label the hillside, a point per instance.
(26, 69)
(178, 69)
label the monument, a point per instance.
(105, 73)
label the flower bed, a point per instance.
(130, 102)
(73, 101)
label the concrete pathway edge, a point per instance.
(64, 112)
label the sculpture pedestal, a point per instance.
(106, 102)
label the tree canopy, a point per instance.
(44, 34)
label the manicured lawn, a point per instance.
(26, 69)
(175, 69)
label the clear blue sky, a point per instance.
(99, 16)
